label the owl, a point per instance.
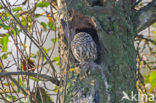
(83, 47)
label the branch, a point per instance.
(54, 4)
(26, 33)
(146, 39)
(136, 3)
(41, 76)
(146, 16)
(12, 79)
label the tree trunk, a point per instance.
(113, 30)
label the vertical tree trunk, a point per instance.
(114, 34)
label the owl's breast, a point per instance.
(84, 48)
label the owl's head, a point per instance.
(81, 23)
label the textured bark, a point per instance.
(114, 34)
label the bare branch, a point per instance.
(146, 39)
(40, 76)
(26, 33)
(12, 79)
(146, 16)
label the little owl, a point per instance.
(83, 47)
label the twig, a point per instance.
(41, 76)
(12, 79)
(3, 98)
(147, 39)
(32, 39)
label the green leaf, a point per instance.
(51, 26)
(5, 26)
(79, 5)
(37, 15)
(13, 32)
(54, 40)
(29, 19)
(2, 25)
(152, 79)
(4, 42)
(12, 84)
(44, 25)
(1, 6)
(57, 60)
(5, 55)
(42, 4)
(154, 32)
(23, 21)
(6, 14)
(56, 89)
(46, 50)
(9, 98)
(154, 25)
(21, 83)
(17, 9)
(33, 55)
(17, 15)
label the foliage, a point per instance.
(145, 44)
(28, 26)
(22, 53)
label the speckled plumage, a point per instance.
(83, 47)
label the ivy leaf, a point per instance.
(17, 9)
(42, 4)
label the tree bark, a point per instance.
(114, 34)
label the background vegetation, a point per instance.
(33, 75)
